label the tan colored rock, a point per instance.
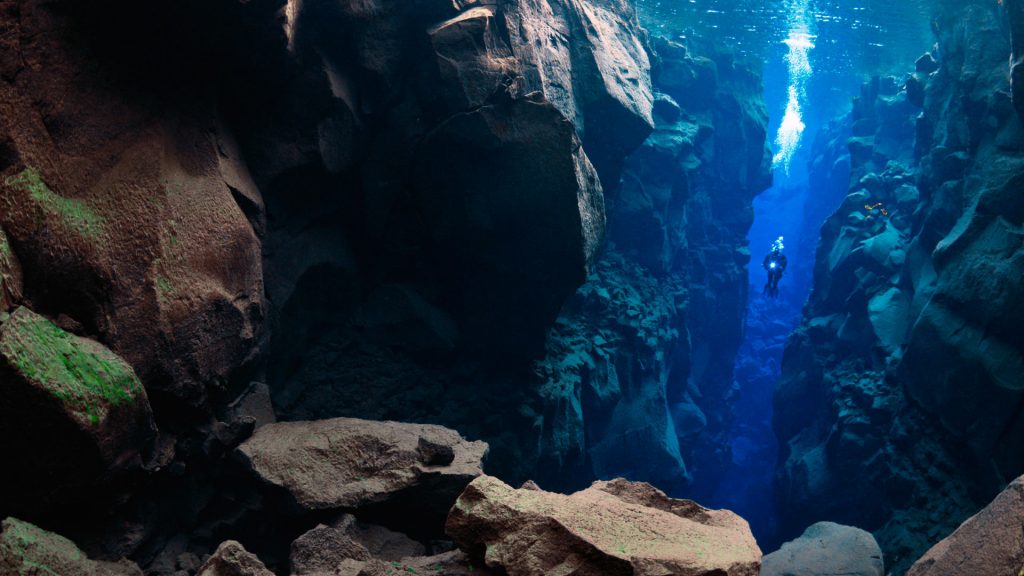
(27, 550)
(472, 58)
(232, 559)
(348, 463)
(989, 543)
(827, 548)
(611, 528)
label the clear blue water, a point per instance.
(845, 42)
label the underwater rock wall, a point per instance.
(368, 208)
(899, 405)
(638, 377)
(415, 278)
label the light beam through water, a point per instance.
(800, 43)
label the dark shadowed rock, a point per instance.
(1015, 17)
(232, 559)
(10, 275)
(323, 549)
(519, 167)
(637, 379)
(128, 216)
(346, 463)
(26, 550)
(926, 64)
(612, 528)
(472, 58)
(827, 548)
(253, 403)
(73, 412)
(348, 547)
(990, 542)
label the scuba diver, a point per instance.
(775, 264)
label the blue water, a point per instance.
(814, 56)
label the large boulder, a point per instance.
(126, 213)
(827, 548)
(990, 542)
(73, 412)
(345, 463)
(603, 86)
(27, 550)
(520, 168)
(611, 528)
(232, 559)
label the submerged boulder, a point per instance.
(990, 542)
(232, 559)
(345, 463)
(827, 548)
(77, 410)
(27, 550)
(611, 528)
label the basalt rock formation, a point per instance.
(417, 258)
(637, 379)
(372, 207)
(899, 404)
(217, 215)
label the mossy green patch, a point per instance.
(164, 285)
(26, 546)
(5, 247)
(75, 213)
(85, 376)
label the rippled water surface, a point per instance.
(865, 36)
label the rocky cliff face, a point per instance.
(638, 379)
(376, 207)
(218, 214)
(899, 402)
(417, 279)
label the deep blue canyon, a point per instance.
(381, 287)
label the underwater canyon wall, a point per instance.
(214, 215)
(898, 409)
(638, 377)
(374, 208)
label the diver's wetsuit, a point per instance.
(775, 264)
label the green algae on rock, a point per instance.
(10, 275)
(74, 213)
(85, 376)
(79, 414)
(27, 550)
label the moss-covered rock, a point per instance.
(85, 376)
(27, 550)
(10, 275)
(73, 214)
(76, 409)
